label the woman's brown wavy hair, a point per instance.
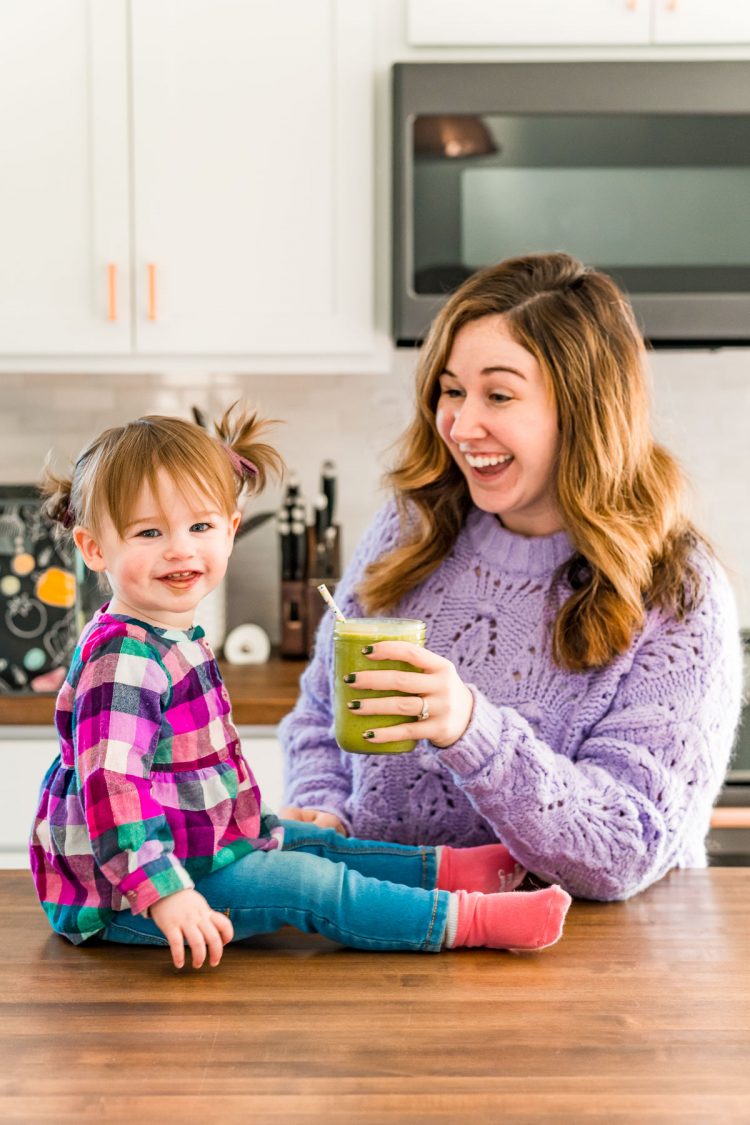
(620, 494)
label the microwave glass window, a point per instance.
(662, 202)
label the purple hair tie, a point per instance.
(69, 518)
(241, 465)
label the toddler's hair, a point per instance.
(108, 475)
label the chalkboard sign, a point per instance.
(39, 617)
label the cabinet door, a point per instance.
(508, 23)
(26, 758)
(64, 182)
(266, 760)
(701, 21)
(252, 173)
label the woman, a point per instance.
(580, 690)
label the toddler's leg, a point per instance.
(264, 891)
(412, 866)
(489, 868)
(530, 920)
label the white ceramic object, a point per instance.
(247, 644)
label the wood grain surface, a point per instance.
(260, 694)
(641, 1013)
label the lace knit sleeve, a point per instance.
(609, 820)
(317, 772)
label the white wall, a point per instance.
(701, 410)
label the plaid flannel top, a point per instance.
(150, 790)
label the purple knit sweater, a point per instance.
(600, 781)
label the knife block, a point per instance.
(301, 605)
(294, 618)
(323, 566)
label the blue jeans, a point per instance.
(361, 893)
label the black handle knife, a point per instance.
(328, 488)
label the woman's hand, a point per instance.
(312, 816)
(437, 692)
(186, 918)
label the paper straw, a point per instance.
(327, 597)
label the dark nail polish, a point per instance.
(369, 734)
(354, 705)
(350, 678)
(367, 650)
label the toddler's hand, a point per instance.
(186, 918)
(312, 816)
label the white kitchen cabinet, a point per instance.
(28, 752)
(698, 21)
(64, 224)
(550, 23)
(252, 176)
(539, 22)
(210, 159)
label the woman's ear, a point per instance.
(89, 548)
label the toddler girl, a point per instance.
(150, 828)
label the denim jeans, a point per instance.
(362, 893)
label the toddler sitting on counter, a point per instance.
(150, 828)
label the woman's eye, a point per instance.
(498, 396)
(451, 392)
(201, 527)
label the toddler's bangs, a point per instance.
(196, 463)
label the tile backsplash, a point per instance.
(701, 412)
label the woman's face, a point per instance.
(499, 421)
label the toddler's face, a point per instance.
(171, 555)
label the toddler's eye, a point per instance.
(149, 533)
(201, 527)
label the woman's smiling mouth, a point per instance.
(486, 460)
(486, 466)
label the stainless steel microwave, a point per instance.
(639, 168)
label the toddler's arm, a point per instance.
(118, 712)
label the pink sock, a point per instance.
(530, 920)
(489, 869)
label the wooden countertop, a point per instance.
(261, 694)
(641, 1013)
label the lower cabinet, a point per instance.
(29, 751)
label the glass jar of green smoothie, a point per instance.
(349, 638)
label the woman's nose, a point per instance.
(467, 423)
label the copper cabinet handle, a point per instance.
(671, 5)
(151, 271)
(111, 291)
(632, 5)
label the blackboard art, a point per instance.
(38, 603)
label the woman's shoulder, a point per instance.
(713, 594)
(707, 626)
(381, 535)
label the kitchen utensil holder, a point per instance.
(301, 605)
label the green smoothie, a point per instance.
(349, 639)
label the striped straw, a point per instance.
(327, 597)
